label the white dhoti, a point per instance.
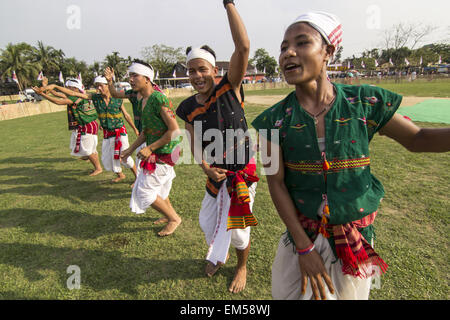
(148, 186)
(88, 144)
(111, 164)
(213, 221)
(286, 275)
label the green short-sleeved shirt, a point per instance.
(153, 125)
(137, 110)
(357, 114)
(110, 115)
(83, 110)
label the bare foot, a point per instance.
(239, 281)
(95, 172)
(120, 176)
(161, 221)
(169, 228)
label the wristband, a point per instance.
(306, 250)
(225, 2)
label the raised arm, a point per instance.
(417, 139)
(239, 59)
(69, 92)
(56, 100)
(109, 74)
(57, 93)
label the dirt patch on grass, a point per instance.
(271, 100)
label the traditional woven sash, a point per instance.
(117, 143)
(356, 254)
(240, 215)
(91, 128)
(149, 165)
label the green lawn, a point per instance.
(419, 88)
(53, 215)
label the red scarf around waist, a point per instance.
(149, 165)
(240, 215)
(355, 252)
(91, 128)
(117, 143)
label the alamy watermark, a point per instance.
(74, 19)
(373, 21)
(230, 146)
(74, 281)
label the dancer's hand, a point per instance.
(144, 153)
(109, 74)
(44, 81)
(313, 268)
(37, 90)
(217, 174)
(124, 155)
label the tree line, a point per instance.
(397, 46)
(27, 61)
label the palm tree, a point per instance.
(48, 57)
(118, 63)
(96, 68)
(18, 58)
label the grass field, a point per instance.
(419, 88)
(53, 215)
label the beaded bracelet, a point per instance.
(225, 2)
(306, 250)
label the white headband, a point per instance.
(142, 70)
(100, 79)
(327, 24)
(199, 53)
(74, 83)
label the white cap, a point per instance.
(327, 24)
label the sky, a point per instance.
(90, 29)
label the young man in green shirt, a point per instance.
(155, 119)
(84, 138)
(323, 188)
(115, 137)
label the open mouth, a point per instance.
(200, 84)
(291, 67)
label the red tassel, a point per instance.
(322, 228)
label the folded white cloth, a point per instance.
(199, 53)
(142, 70)
(213, 221)
(327, 24)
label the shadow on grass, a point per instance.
(99, 270)
(69, 223)
(27, 160)
(74, 185)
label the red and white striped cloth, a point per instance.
(327, 24)
(91, 128)
(117, 143)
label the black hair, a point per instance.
(205, 47)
